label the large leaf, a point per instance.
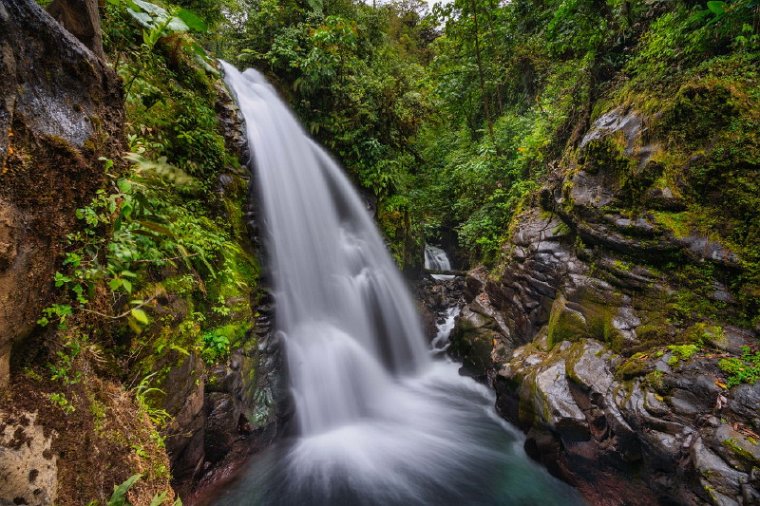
(717, 7)
(192, 20)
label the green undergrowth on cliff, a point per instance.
(695, 80)
(161, 270)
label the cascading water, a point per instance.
(379, 420)
(436, 259)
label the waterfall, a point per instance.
(380, 421)
(437, 260)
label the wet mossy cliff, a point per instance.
(134, 330)
(60, 110)
(620, 328)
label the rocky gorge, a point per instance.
(617, 324)
(584, 333)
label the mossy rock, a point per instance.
(606, 154)
(637, 365)
(698, 110)
(565, 324)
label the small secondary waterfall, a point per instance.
(380, 421)
(437, 260)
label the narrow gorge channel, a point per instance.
(378, 419)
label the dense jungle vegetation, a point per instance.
(450, 117)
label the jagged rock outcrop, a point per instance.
(607, 321)
(60, 110)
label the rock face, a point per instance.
(603, 329)
(60, 109)
(82, 19)
(28, 468)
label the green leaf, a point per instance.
(127, 285)
(115, 283)
(192, 20)
(61, 279)
(124, 185)
(140, 315)
(118, 498)
(158, 499)
(316, 6)
(717, 7)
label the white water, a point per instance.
(437, 260)
(441, 340)
(379, 420)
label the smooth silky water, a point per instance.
(437, 260)
(379, 420)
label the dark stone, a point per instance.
(744, 402)
(223, 416)
(184, 399)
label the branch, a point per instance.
(122, 315)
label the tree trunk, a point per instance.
(479, 60)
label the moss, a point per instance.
(565, 324)
(677, 223)
(701, 333)
(637, 365)
(655, 380)
(699, 109)
(606, 154)
(99, 412)
(622, 265)
(741, 452)
(681, 352)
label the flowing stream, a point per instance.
(380, 421)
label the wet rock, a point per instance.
(731, 339)
(472, 340)
(616, 120)
(703, 248)
(684, 402)
(721, 483)
(590, 364)
(737, 449)
(584, 307)
(232, 125)
(663, 199)
(184, 399)
(744, 402)
(223, 424)
(553, 403)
